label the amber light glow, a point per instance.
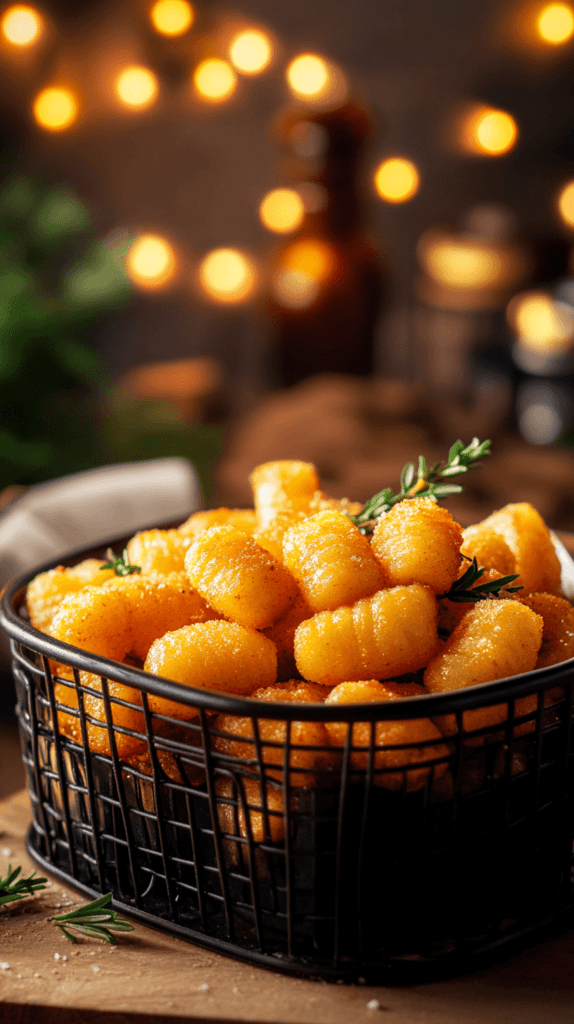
(566, 204)
(55, 109)
(462, 264)
(555, 23)
(251, 52)
(311, 78)
(282, 210)
(137, 87)
(21, 25)
(397, 180)
(151, 262)
(305, 266)
(227, 275)
(488, 132)
(172, 17)
(215, 80)
(542, 325)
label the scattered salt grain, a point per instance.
(6, 852)
(204, 987)
(4, 966)
(92, 952)
(57, 956)
(64, 957)
(36, 975)
(95, 968)
(373, 1004)
(18, 975)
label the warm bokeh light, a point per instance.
(151, 262)
(251, 52)
(462, 264)
(215, 80)
(541, 323)
(397, 180)
(55, 109)
(282, 210)
(172, 17)
(312, 78)
(137, 87)
(305, 265)
(227, 275)
(555, 23)
(566, 204)
(21, 25)
(488, 132)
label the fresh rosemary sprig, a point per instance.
(120, 565)
(460, 591)
(429, 482)
(14, 888)
(94, 921)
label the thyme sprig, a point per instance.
(94, 920)
(460, 591)
(424, 481)
(121, 564)
(14, 888)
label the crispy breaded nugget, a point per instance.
(160, 551)
(46, 592)
(286, 485)
(387, 735)
(418, 541)
(238, 578)
(490, 550)
(388, 634)
(264, 814)
(304, 737)
(282, 633)
(331, 560)
(497, 638)
(450, 613)
(216, 655)
(558, 632)
(242, 519)
(526, 535)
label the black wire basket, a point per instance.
(390, 863)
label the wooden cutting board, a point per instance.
(152, 978)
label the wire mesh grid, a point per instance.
(240, 825)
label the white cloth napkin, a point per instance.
(85, 509)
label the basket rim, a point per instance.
(422, 706)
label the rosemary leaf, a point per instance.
(121, 564)
(14, 888)
(93, 921)
(464, 591)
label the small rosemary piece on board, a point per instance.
(121, 564)
(424, 482)
(460, 591)
(94, 920)
(14, 888)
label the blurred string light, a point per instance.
(227, 276)
(151, 262)
(313, 79)
(55, 109)
(543, 411)
(251, 52)
(172, 17)
(305, 266)
(21, 25)
(215, 80)
(541, 323)
(461, 264)
(486, 131)
(397, 180)
(566, 204)
(555, 24)
(282, 210)
(137, 87)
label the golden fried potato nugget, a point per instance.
(282, 633)
(158, 551)
(490, 550)
(387, 735)
(391, 633)
(418, 541)
(217, 655)
(450, 613)
(46, 592)
(279, 486)
(331, 560)
(265, 813)
(238, 578)
(558, 631)
(304, 737)
(526, 535)
(242, 519)
(497, 638)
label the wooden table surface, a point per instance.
(153, 977)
